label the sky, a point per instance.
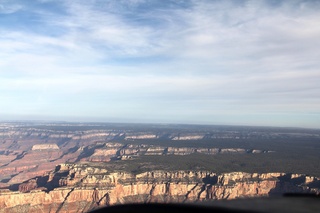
(166, 61)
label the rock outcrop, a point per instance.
(103, 155)
(21, 165)
(28, 150)
(77, 188)
(29, 153)
(44, 146)
(28, 186)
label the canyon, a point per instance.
(26, 152)
(76, 167)
(80, 187)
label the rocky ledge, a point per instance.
(81, 187)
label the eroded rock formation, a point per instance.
(26, 152)
(77, 188)
(28, 186)
(44, 146)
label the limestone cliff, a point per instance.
(44, 146)
(27, 152)
(77, 188)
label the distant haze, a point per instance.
(193, 61)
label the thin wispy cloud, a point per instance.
(256, 62)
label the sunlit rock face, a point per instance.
(180, 151)
(139, 136)
(188, 136)
(103, 155)
(77, 188)
(29, 152)
(28, 156)
(44, 146)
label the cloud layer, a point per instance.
(218, 62)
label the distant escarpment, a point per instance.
(29, 152)
(107, 164)
(81, 187)
(41, 158)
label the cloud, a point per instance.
(6, 8)
(193, 59)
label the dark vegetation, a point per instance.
(289, 156)
(168, 128)
(296, 150)
(262, 163)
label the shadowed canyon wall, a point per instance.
(77, 188)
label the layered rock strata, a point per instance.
(77, 188)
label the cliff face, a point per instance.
(77, 188)
(24, 155)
